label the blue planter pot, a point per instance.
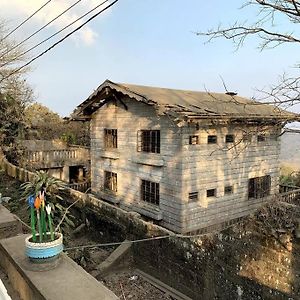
(47, 250)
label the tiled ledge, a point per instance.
(110, 154)
(149, 160)
(145, 209)
(112, 198)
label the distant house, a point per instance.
(187, 159)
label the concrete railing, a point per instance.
(76, 154)
(290, 195)
(15, 171)
(81, 186)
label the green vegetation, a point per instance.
(45, 190)
(292, 179)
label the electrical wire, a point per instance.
(56, 33)
(11, 32)
(61, 40)
(39, 30)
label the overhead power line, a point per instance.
(11, 32)
(56, 33)
(39, 30)
(61, 40)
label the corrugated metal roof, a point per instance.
(192, 104)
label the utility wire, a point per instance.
(37, 31)
(11, 32)
(118, 243)
(61, 40)
(56, 33)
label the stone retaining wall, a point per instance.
(237, 263)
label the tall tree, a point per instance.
(15, 93)
(42, 123)
(271, 30)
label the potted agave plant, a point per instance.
(45, 241)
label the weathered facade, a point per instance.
(189, 160)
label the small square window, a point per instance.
(229, 138)
(247, 137)
(228, 190)
(193, 197)
(261, 138)
(274, 137)
(211, 193)
(194, 140)
(212, 139)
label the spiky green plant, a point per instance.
(53, 186)
(54, 189)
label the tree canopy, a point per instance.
(15, 93)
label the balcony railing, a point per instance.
(80, 186)
(289, 194)
(77, 154)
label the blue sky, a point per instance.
(150, 42)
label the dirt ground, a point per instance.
(125, 285)
(128, 285)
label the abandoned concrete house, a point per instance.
(187, 159)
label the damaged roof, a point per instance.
(187, 104)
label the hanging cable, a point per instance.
(61, 40)
(54, 34)
(37, 31)
(11, 32)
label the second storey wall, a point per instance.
(132, 166)
(214, 166)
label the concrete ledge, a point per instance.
(107, 196)
(67, 281)
(9, 226)
(144, 209)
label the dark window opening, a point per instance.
(110, 181)
(212, 139)
(110, 138)
(149, 141)
(247, 137)
(229, 138)
(150, 192)
(259, 187)
(261, 138)
(194, 140)
(274, 137)
(193, 197)
(211, 193)
(77, 174)
(228, 190)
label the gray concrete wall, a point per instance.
(214, 166)
(133, 166)
(180, 168)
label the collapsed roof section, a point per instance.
(185, 105)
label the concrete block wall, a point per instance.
(132, 166)
(181, 168)
(214, 166)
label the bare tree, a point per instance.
(15, 93)
(286, 92)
